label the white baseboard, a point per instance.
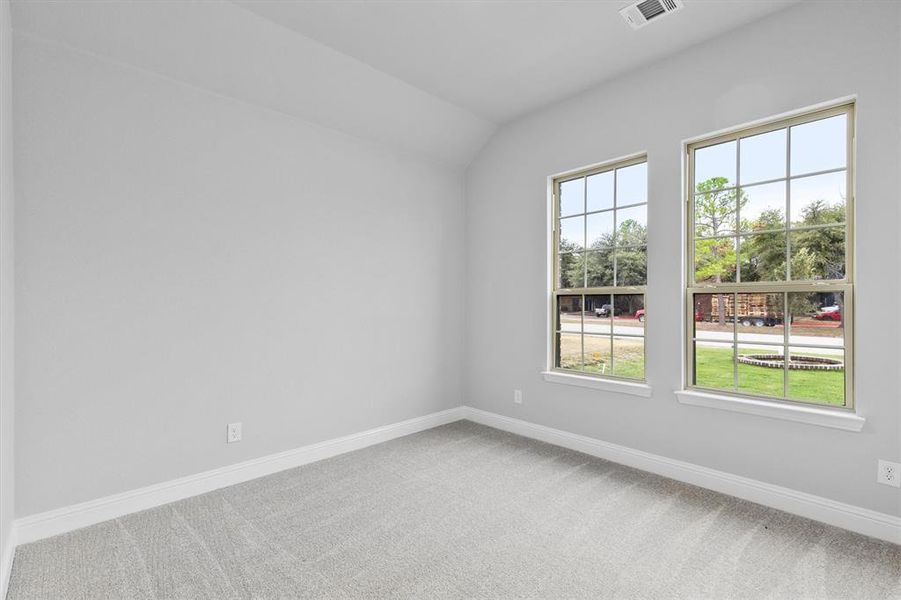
(69, 518)
(6, 561)
(54, 522)
(867, 522)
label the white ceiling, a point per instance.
(500, 59)
(221, 47)
(432, 78)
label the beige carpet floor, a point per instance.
(460, 511)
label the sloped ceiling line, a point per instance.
(221, 47)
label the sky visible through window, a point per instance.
(772, 208)
(602, 219)
(816, 146)
(758, 199)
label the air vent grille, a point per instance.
(651, 8)
(639, 14)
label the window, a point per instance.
(600, 271)
(769, 291)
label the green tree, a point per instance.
(763, 254)
(628, 243)
(716, 208)
(824, 246)
(631, 233)
(600, 266)
(817, 253)
(715, 213)
(572, 267)
(631, 253)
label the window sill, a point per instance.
(812, 415)
(610, 385)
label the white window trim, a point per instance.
(834, 418)
(844, 417)
(552, 373)
(599, 383)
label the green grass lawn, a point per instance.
(624, 366)
(627, 361)
(628, 358)
(713, 368)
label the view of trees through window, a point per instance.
(601, 271)
(607, 245)
(769, 287)
(769, 260)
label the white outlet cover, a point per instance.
(517, 396)
(233, 433)
(889, 473)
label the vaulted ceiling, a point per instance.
(500, 59)
(433, 78)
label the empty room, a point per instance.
(426, 299)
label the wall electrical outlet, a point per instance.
(233, 433)
(889, 473)
(517, 396)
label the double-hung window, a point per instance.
(769, 294)
(600, 271)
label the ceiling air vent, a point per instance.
(641, 13)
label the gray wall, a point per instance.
(898, 168)
(805, 55)
(7, 296)
(185, 260)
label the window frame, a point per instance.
(556, 291)
(845, 286)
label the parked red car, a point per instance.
(639, 314)
(829, 313)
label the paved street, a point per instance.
(746, 338)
